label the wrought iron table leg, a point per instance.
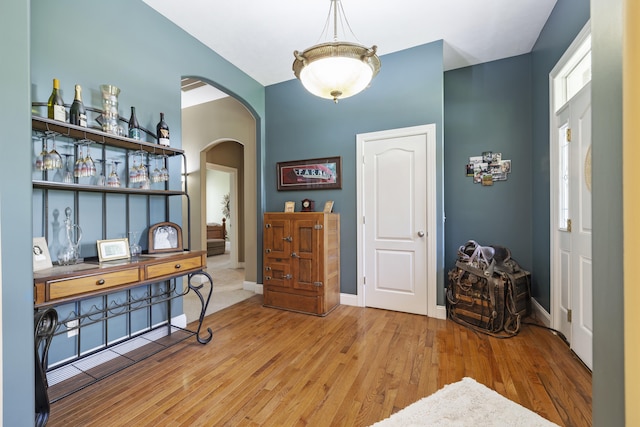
(45, 324)
(204, 303)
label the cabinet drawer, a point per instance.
(169, 268)
(94, 283)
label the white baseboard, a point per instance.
(253, 287)
(441, 312)
(349, 299)
(179, 321)
(540, 313)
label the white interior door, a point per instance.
(574, 225)
(395, 200)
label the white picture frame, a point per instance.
(113, 249)
(41, 257)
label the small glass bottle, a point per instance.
(77, 113)
(55, 105)
(162, 130)
(134, 126)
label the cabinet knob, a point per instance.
(178, 266)
(294, 255)
(267, 268)
(268, 278)
(100, 282)
(288, 276)
(288, 239)
(268, 251)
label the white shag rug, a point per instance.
(462, 404)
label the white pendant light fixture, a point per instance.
(338, 69)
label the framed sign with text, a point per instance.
(311, 174)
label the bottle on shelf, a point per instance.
(55, 105)
(134, 126)
(77, 113)
(162, 130)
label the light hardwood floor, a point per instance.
(268, 367)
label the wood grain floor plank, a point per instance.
(268, 367)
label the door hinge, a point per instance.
(569, 225)
(568, 134)
(318, 284)
(569, 315)
(318, 226)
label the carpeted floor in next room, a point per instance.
(227, 287)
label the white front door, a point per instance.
(574, 226)
(398, 229)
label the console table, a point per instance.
(73, 283)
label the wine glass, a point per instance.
(156, 175)
(133, 172)
(53, 160)
(40, 157)
(89, 163)
(113, 180)
(67, 177)
(77, 168)
(101, 180)
(164, 171)
(143, 172)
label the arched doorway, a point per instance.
(207, 126)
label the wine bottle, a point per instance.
(55, 105)
(162, 130)
(77, 113)
(134, 127)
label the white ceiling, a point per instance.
(259, 36)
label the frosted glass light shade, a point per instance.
(336, 70)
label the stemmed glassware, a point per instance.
(52, 160)
(67, 176)
(113, 180)
(101, 180)
(156, 175)
(40, 157)
(84, 166)
(164, 171)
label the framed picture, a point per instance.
(289, 206)
(41, 257)
(165, 237)
(109, 250)
(311, 174)
(328, 206)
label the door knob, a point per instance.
(420, 233)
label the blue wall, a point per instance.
(488, 108)
(127, 44)
(15, 218)
(408, 91)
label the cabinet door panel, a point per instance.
(277, 238)
(277, 274)
(305, 263)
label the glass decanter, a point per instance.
(69, 253)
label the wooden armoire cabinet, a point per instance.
(302, 261)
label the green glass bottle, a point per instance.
(55, 105)
(77, 113)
